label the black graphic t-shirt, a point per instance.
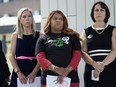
(58, 49)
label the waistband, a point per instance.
(25, 57)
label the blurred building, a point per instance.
(11, 7)
(8, 14)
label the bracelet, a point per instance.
(53, 68)
(16, 70)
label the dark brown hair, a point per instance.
(65, 29)
(104, 6)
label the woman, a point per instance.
(59, 50)
(99, 49)
(22, 51)
(4, 70)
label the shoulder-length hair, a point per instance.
(104, 6)
(65, 29)
(19, 26)
(47, 25)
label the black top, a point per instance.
(26, 45)
(58, 49)
(99, 45)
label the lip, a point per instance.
(27, 22)
(99, 16)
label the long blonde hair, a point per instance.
(19, 27)
(65, 29)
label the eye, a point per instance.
(96, 10)
(102, 10)
(54, 18)
(23, 16)
(61, 18)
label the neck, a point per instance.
(99, 24)
(56, 31)
(27, 31)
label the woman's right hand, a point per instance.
(22, 77)
(99, 66)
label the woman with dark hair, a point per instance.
(4, 70)
(99, 49)
(59, 50)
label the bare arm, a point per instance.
(12, 51)
(37, 67)
(20, 75)
(96, 64)
(112, 55)
(85, 56)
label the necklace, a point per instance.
(99, 30)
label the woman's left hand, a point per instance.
(59, 79)
(96, 73)
(99, 66)
(31, 76)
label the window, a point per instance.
(1, 1)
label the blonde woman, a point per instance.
(22, 51)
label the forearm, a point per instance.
(60, 70)
(13, 62)
(51, 67)
(37, 67)
(110, 58)
(42, 60)
(87, 58)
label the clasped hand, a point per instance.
(63, 72)
(23, 79)
(99, 67)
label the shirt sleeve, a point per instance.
(76, 53)
(40, 53)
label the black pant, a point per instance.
(4, 83)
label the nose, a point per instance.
(27, 18)
(58, 19)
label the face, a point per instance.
(26, 19)
(99, 13)
(57, 23)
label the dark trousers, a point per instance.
(4, 83)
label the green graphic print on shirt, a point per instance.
(59, 42)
